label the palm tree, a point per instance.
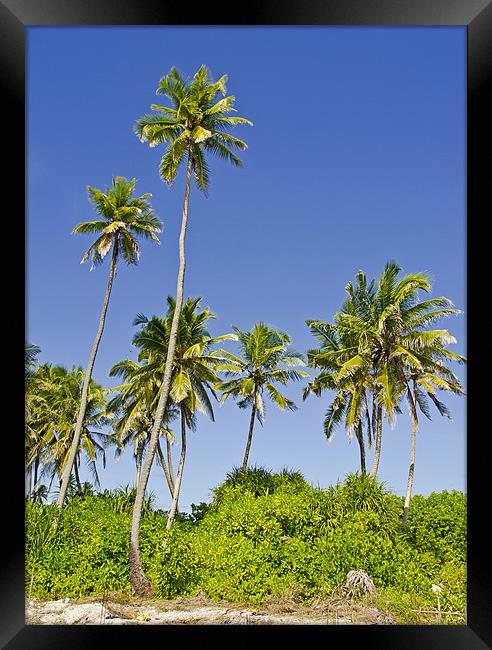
(346, 366)
(351, 401)
(403, 351)
(59, 391)
(134, 405)
(377, 338)
(265, 361)
(196, 124)
(193, 373)
(124, 218)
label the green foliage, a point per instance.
(196, 125)
(257, 481)
(437, 524)
(263, 534)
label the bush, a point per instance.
(251, 543)
(437, 524)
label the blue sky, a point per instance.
(356, 156)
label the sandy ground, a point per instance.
(114, 610)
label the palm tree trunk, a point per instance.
(29, 480)
(411, 470)
(164, 468)
(379, 435)
(141, 585)
(36, 469)
(51, 480)
(250, 435)
(37, 477)
(77, 477)
(85, 387)
(179, 474)
(170, 462)
(360, 439)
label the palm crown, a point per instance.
(193, 366)
(264, 352)
(198, 122)
(124, 219)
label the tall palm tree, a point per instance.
(124, 219)
(195, 124)
(264, 362)
(193, 373)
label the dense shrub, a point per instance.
(262, 534)
(437, 524)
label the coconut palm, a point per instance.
(345, 367)
(351, 402)
(264, 362)
(192, 378)
(385, 327)
(134, 405)
(60, 390)
(196, 124)
(123, 220)
(31, 352)
(390, 325)
(404, 351)
(193, 373)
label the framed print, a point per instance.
(320, 173)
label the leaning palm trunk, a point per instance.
(250, 435)
(360, 439)
(140, 584)
(379, 436)
(179, 474)
(85, 387)
(415, 427)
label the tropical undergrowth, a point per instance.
(262, 534)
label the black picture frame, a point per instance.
(476, 16)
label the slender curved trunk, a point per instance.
(164, 468)
(77, 477)
(141, 585)
(179, 474)
(411, 470)
(170, 463)
(379, 436)
(85, 387)
(360, 439)
(250, 435)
